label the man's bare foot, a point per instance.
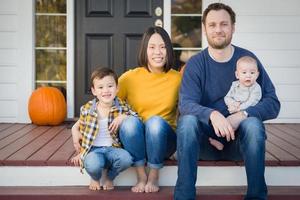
(94, 185)
(108, 184)
(152, 184)
(142, 180)
(218, 145)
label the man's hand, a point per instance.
(235, 119)
(116, 123)
(76, 136)
(221, 126)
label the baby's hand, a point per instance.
(76, 160)
(116, 123)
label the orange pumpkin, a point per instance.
(47, 106)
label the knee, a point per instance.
(187, 129)
(131, 127)
(92, 165)
(155, 125)
(124, 162)
(252, 129)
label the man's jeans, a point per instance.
(115, 160)
(192, 143)
(155, 139)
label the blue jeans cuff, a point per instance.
(155, 166)
(139, 163)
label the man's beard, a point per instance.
(222, 45)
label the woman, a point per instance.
(152, 91)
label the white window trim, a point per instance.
(70, 58)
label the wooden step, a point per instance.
(124, 193)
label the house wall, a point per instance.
(16, 59)
(271, 32)
(270, 28)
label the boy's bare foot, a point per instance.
(94, 185)
(218, 145)
(152, 184)
(108, 184)
(142, 180)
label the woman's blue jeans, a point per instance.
(193, 144)
(153, 140)
(115, 160)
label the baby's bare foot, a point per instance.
(218, 145)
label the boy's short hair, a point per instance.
(101, 72)
(247, 59)
(217, 7)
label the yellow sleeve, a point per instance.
(122, 93)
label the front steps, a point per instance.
(124, 193)
(207, 176)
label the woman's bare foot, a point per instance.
(95, 185)
(218, 145)
(142, 180)
(152, 184)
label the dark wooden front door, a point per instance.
(108, 34)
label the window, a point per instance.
(186, 29)
(50, 44)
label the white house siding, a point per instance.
(16, 59)
(271, 29)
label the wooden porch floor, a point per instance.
(31, 145)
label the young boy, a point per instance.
(243, 93)
(97, 128)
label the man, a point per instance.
(204, 115)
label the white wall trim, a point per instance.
(70, 58)
(167, 16)
(25, 55)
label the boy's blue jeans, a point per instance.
(192, 144)
(115, 160)
(155, 140)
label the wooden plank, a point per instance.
(285, 137)
(18, 144)
(4, 126)
(62, 155)
(284, 157)
(11, 130)
(287, 130)
(286, 146)
(34, 145)
(296, 127)
(16, 135)
(49, 149)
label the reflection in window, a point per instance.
(50, 44)
(186, 7)
(186, 30)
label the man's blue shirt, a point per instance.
(206, 82)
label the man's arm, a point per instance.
(190, 96)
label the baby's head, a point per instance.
(104, 84)
(246, 71)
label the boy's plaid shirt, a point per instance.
(89, 122)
